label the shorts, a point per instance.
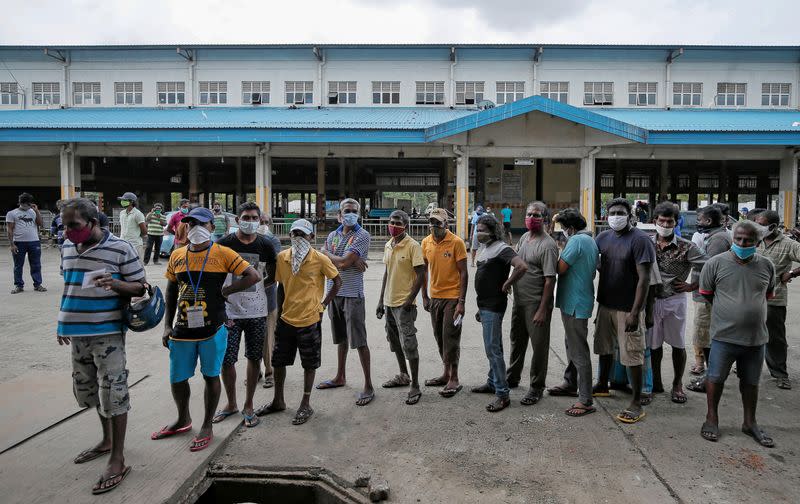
(289, 340)
(448, 336)
(609, 331)
(749, 361)
(254, 330)
(348, 321)
(99, 377)
(183, 356)
(401, 332)
(669, 322)
(475, 243)
(507, 227)
(702, 324)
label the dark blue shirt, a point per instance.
(619, 256)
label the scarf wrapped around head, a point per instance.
(300, 249)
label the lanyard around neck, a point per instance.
(195, 288)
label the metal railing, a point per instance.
(377, 228)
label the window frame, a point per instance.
(687, 89)
(558, 92)
(306, 90)
(606, 89)
(214, 92)
(53, 90)
(176, 89)
(429, 93)
(503, 93)
(386, 90)
(249, 91)
(774, 91)
(9, 93)
(643, 91)
(462, 88)
(738, 89)
(94, 93)
(128, 89)
(350, 92)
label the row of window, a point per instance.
(687, 94)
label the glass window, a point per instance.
(86, 93)
(255, 92)
(386, 92)
(171, 93)
(213, 92)
(341, 92)
(430, 93)
(127, 93)
(557, 91)
(775, 94)
(642, 93)
(598, 93)
(46, 93)
(731, 94)
(509, 91)
(299, 92)
(469, 92)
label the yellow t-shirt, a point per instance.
(443, 275)
(400, 261)
(303, 292)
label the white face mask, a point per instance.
(618, 222)
(263, 229)
(247, 227)
(665, 232)
(199, 234)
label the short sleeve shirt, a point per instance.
(619, 257)
(221, 261)
(129, 226)
(272, 296)
(739, 310)
(400, 261)
(541, 256)
(442, 258)
(494, 265)
(303, 292)
(340, 244)
(506, 214)
(25, 228)
(575, 289)
(782, 252)
(252, 302)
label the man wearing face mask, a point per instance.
(446, 269)
(22, 225)
(246, 311)
(783, 252)
(221, 222)
(131, 223)
(676, 257)
(348, 248)
(196, 292)
(155, 233)
(533, 303)
(178, 228)
(272, 302)
(738, 284)
(626, 259)
(301, 272)
(91, 322)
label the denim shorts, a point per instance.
(749, 361)
(183, 356)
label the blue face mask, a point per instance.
(350, 219)
(743, 253)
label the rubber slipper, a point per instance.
(598, 392)
(164, 433)
(328, 384)
(365, 398)
(679, 397)
(646, 399)
(251, 420)
(483, 389)
(97, 490)
(709, 432)
(413, 398)
(629, 417)
(448, 393)
(559, 391)
(397, 381)
(198, 444)
(302, 416)
(90, 454)
(436, 382)
(760, 436)
(268, 409)
(579, 411)
(222, 415)
(269, 382)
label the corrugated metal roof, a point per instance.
(363, 118)
(702, 120)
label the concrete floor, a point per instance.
(441, 450)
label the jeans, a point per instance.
(777, 346)
(33, 249)
(749, 361)
(153, 245)
(492, 323)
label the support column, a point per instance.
(264, 179)
(69, 180)
(194, 179)
(462, 191)
(239, 197)
(343, 178)
(665, 182)
(787, 191)
(320, 189)
(587, 178)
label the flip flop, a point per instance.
(697, 384)
(198, 444)
(679, 397)
(760, 436)
(580, 410)
(646, 399)
(598, 392)
(302, 416)
(269, 382)
(251, 420)
(222, 415)
(559, 391)
(397, 381)
(483, 389)
(413, 398)
(697, 369)
(97, 490)
(709, 432)
(630, 417)
(448, 393)
(164, 433)
(436, 382)
(268, 409)
(90, 454)
(328, 384)
(365, 398)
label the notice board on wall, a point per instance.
(512, 186)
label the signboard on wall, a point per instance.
(524, 161)
(512, 186)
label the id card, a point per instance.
(194, 317)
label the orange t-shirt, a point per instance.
(443, 275)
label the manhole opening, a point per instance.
(272, 490)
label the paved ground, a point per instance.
(441, 450)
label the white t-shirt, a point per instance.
(129, 226)
(25, 228)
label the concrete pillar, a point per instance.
(240, 196)
(587, 177)
(342, 178)
(664, 186)
(462, 191)
(264, 179)
(787, 191)
(70, 172)
(194, 179)
(320, 188)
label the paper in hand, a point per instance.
(90, 277)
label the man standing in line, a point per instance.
(247, 312)
(507, 213)
(155, 221)
(782, 252)
(675, 257)
(626, 259)
(738, 284)
(131, 223)
(348, 248)
(300, 272)
(577, 267)
(90, 320)
(195, 291)
(445, 257)
(178, 228)
(533, 303)
(221, 222)
(717, 240)
(402, 280)
(22, 226)
(272, 303)
(474, 240)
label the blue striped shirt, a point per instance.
(95, 311)
(340, 244)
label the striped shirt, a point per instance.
(340, 244)
(155, 224)
(94, 311)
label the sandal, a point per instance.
(698, 369)
(562, 391)
(483, 389)
(365, 398)
(532, 397)
(413, 398)
(328, 384)
(679, 397)
(710, 432)
(697, 385)
(579, 411)
(398, 381)
(267, 409)
(90, 454)
(16, 290)
(759, 435)
(450, 392)
(269, 382)
(198, 444)
(165, 433)
(40, 288)
(498, 404)
(222, 415)
(598, 391)
(302, 415)
(100, 489)
(251, 420)
(630, 417)
(645, 399)
(784, 383)
(436, 382)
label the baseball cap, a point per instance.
(439, 214)
(303, 225)
(200, 214)
(128, 196)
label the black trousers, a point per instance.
(153, 245)
(777, 346)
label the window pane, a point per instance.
(740, 100)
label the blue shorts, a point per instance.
(183, 356)
(749, 361)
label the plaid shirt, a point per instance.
(782, 252)
(675, 261)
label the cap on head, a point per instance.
(439, 214)
(128, 196)
(304, 226)
(200, 214)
